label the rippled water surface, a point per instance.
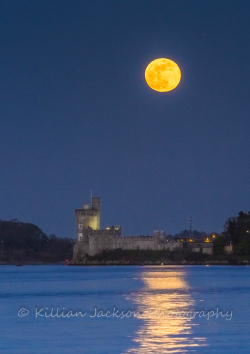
(124, 309)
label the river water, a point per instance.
(124, 309)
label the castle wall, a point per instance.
(99, 241)
(79, 251)
(102, 239)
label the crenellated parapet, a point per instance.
(136, 238)
(112, 230)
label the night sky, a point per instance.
(77, 115)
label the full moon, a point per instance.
(162, 75)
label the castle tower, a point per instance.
(87, 217)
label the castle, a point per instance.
(91, 240)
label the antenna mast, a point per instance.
(190, 227)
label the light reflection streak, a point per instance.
(164, 330)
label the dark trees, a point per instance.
(25, 242)
(237, 232)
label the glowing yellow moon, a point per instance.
(162, 75)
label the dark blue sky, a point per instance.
(77, 115)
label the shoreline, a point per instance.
(116, 263)
(161, 264)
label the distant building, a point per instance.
(204, 245)
(91, 240)
(228, 249)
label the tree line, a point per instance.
(237, 233)
(26, 242)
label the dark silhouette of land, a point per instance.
(22, 242)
